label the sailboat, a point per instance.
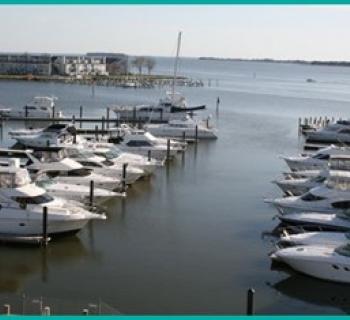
(172, 106)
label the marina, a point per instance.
(159, 250)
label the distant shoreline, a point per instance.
(306, 62)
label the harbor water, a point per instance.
(190, 238)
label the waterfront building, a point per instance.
(25, 63)
(80, 65)
(116, 63)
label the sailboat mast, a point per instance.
(176, 63)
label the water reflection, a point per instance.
(314, 291)
(22, 262)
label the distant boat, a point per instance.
(310, 80)
(39, 107)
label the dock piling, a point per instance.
(250, 301)
(184, 136)
(96, 132)
(217, 104)
(91, 194)
(168, 149)
(107, 117)
(53, 112)
(73, 119)
(103, 125)
(26, 111)
(196, 133)
(124, 177)
(44, 235)
(149, 155)
(81, 116)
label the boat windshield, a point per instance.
(82, 172)
(319, 179)
(311, 197)
(321, 156)
(343, 250)
(44, 198)
(112, 153)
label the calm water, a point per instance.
(189, 239)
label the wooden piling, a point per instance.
(73, 119)
(26, 111)
(2, 130)
(45, 233)
(134, 113)
(149, 155)
(96, 132)
(184, 136)
(196, 133)
(250, 301)
(168, 149)
(217, 104)
(103, 125)
(91, 194)
(53, 112)
(107, 117)
(124, 177)
(80, 116)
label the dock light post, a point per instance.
(250, 301)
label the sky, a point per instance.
(279, 32)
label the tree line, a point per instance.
(143, 62)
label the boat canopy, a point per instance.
(343, 250)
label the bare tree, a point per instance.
(138, 63)
(150, 64)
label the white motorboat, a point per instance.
(51, 136)
(172, 106)
(22, 202)
(319, 160)
(112, 153)
(299, 186)
(338, 132)
(334, 222)
(185, 127)
(77, 192)
(321, 262)
(317, 238)
(117, 134)
(139, 142)
(39, 107)
(69, 171)
(331, 197)
(100, 165)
